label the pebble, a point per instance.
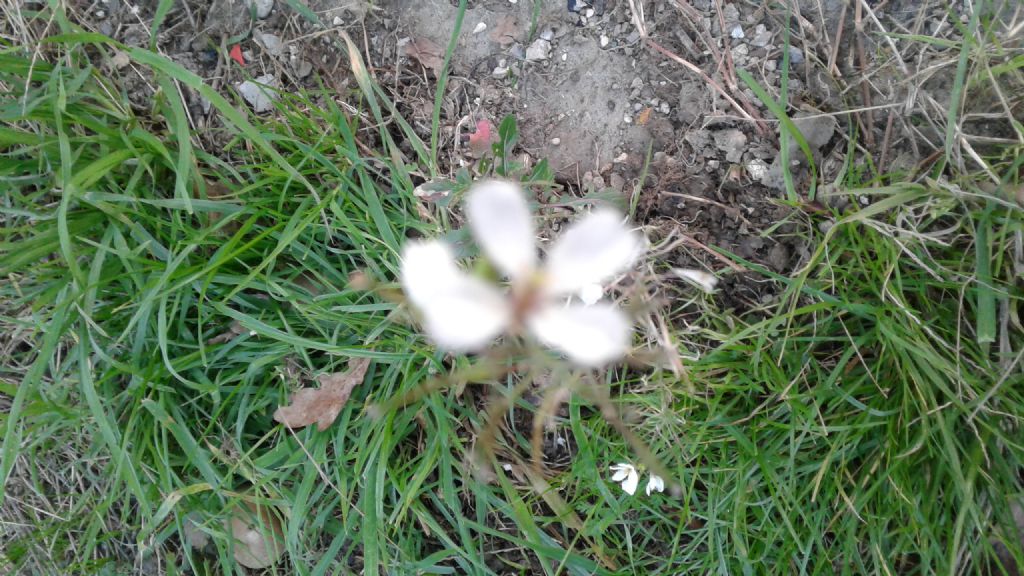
(539, 50)
(737, 32)
(565, 56)
(757, 169)
(604, 40)
(271, 43)
(664, 108)
(732, 142)
(627, 119)
(637, 83)
(480, 28)
(761, 36)
(796, 55)
(257, 93)
(302, 68)
(548, 34)
(263, 7)
(556, 141)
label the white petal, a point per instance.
(460, 312)
(428, 268)
(501, 223)
(655, 484)
(591, 294)
(702, 279)
(621, 471)
(631, 482)
(591, 251)
(588, 335)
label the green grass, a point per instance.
(868, 421)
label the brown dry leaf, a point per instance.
(259, 539)
(322, 405)
(236, 329)
(429, 54)
(643, 116)
(504, 32)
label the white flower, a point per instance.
(700, 278)
(464, 313)
(655, 484)
(627, 475)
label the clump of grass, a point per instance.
(159, 301)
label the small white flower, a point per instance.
(627, 475)
(700, 278)
(655, 484)
(464, 313)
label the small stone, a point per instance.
(757, 169)
(480, 27)
(637, 83)
(740, 51)
(564, 56)
(664, 108)
(627, 119)
(100, 14)
(513, 2)
(638, 106)
(517, 52)
(259, 93)
(539, 50)
(120, 60)
(604, 40)
(337, 21)
(796, 55)
(737, 32)
(263, 7)
(303, 68)
(271, 43)
(589, 13)
(547, 34)
(761, 40)
(621, 158)
(770, 65)
(732, 142)
(556, 141)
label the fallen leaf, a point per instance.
(504, 32)
(258, 536)
(236, 54)
(643, 116)
(480, 141)
(322, 405)
(429, 54)
(236, 329)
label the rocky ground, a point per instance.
(607, 92)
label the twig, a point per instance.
(862, 62)
(884, 158)
(835, 43)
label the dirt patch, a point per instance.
(607, 92)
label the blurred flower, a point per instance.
(655, 484)
(628, 476)
(463, 313)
